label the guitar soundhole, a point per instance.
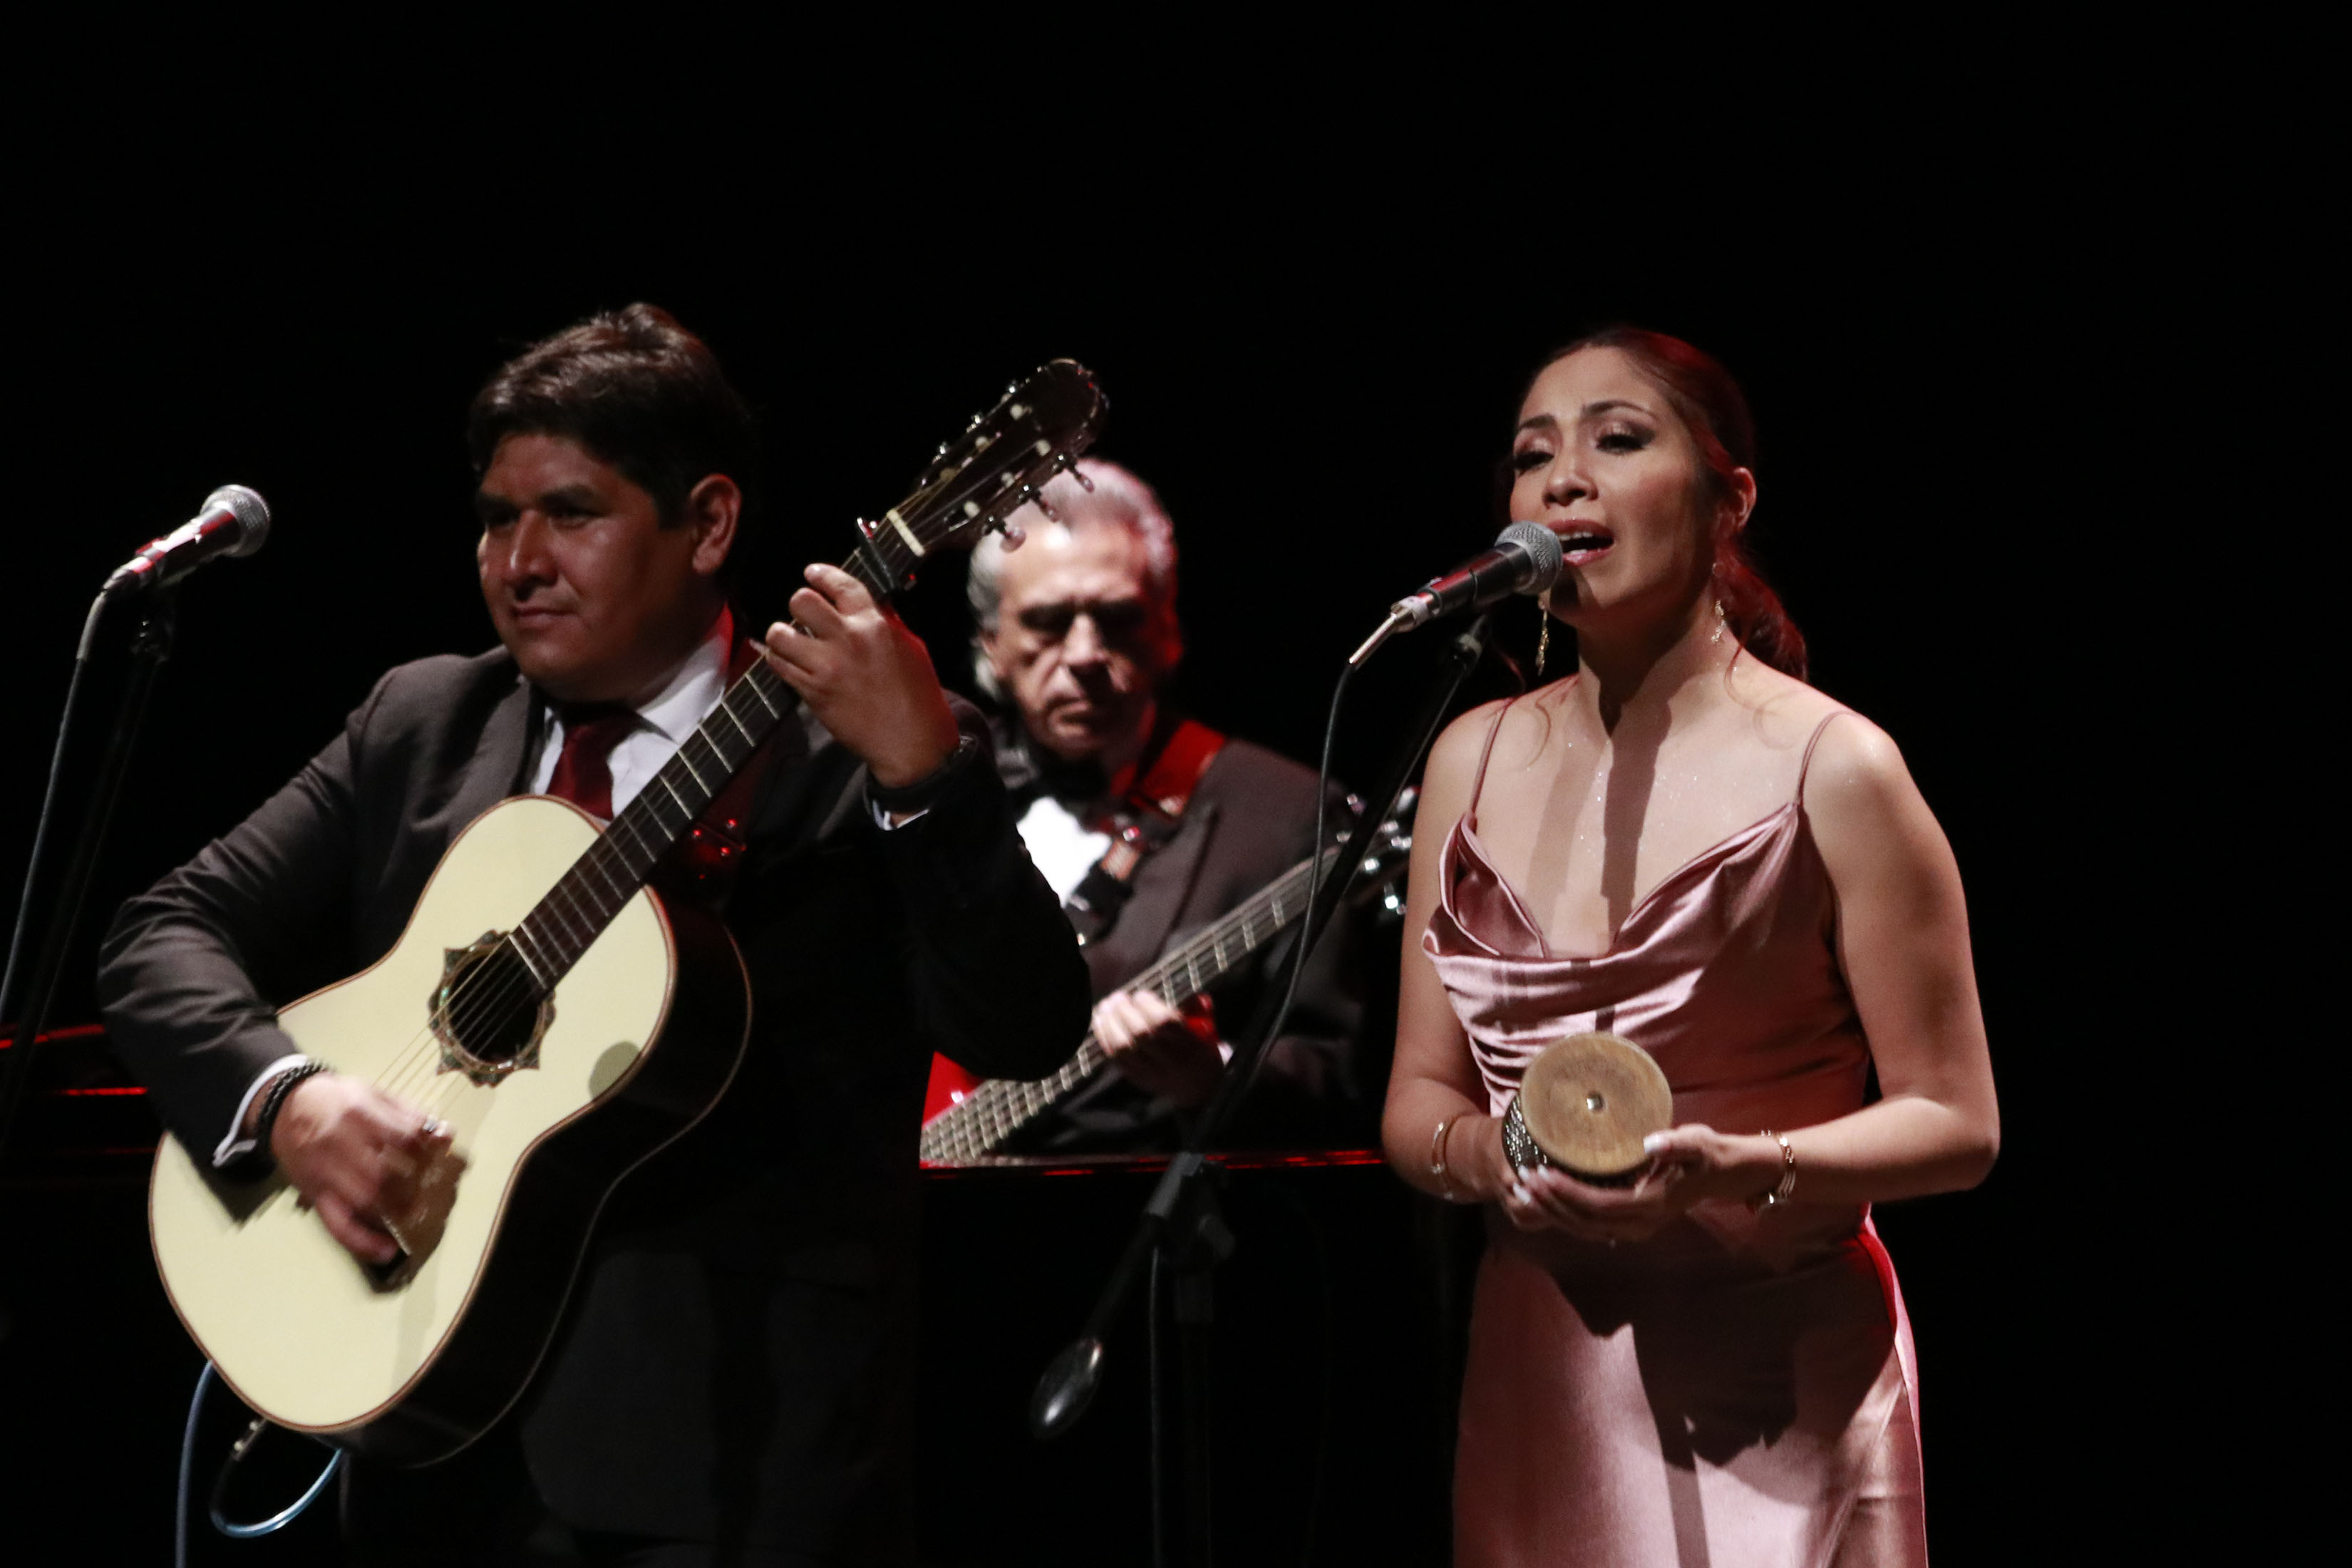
(487, 1013)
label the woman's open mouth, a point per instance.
(1581, 543)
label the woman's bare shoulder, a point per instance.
(1520, 726)
(1863, 802)
(1784, 712)
(1854, 764)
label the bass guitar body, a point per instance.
(411, 1361)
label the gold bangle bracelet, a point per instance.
(1779, 1191)
(1437, 1166)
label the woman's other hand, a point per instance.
(1687, 1163)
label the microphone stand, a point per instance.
(28, 990)
(1181, 1229)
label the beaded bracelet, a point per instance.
(273, 1100)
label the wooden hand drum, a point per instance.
(1590, 1099)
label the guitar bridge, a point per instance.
(488, 1012)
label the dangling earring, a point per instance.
(1719, 625)
(1543, 638)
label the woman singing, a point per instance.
(1686, 845)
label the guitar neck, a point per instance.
(997, 1109)
(1213, 953)
(600, 884)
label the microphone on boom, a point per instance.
(1524, 559)
(234, 521)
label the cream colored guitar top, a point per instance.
(294, 1323)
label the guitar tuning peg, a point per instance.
(1012, 533)
(1037, 498)
(1068, 463)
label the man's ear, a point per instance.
(713, 507)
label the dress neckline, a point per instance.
(1468, 835)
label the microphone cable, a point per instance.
(235, 1531)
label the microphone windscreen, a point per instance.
(1544, 556)
(252, 514)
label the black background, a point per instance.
(1315, 352)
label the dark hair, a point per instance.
(1709, 401)
(637, 389)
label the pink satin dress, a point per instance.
(1738, 1390)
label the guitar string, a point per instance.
(472, 1005)
(576, 908)
(479, 1002)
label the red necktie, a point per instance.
(584, 768)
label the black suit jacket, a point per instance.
(736, 1364)
(1250, 819)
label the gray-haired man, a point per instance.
(1150, 825)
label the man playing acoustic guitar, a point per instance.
(731, 1381)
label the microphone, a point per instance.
(234, 521)
(1524, 558)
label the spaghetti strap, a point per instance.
(1478, 784)
(1807, 766)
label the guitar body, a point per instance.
(411, 1363)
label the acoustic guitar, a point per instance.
(561, 1019)
(974, 1129)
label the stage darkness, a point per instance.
(1322, 406)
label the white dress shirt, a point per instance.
(1059, 846)
(663, 724)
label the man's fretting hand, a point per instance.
(867, 679)
(354, 1154)
(1173, 1055)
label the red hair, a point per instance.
(1711, 405)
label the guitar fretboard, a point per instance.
(551, 939)
(997, 1108)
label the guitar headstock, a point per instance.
(999, 465)
(1383, 867)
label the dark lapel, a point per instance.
(496, 770)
